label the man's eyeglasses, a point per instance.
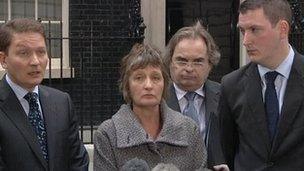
(184, 63)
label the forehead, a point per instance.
(252, 17)
(191, 48)
(147, 69)
(28, 39)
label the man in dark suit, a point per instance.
(191, 54)
(38, 127)
(261, 107)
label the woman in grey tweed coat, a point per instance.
(145, 127)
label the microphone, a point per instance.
(135, 164)
(165, 167)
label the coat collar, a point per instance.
(130, 132)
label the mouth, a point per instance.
(188, 77)
(34, 73)
(148, 95)
(251, 51)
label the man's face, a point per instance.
(190, 65)
(26, 59)
(261, 39)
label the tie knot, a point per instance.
(271, 76)
(31, 97)
(190, 95)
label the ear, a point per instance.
(283, 28)
(3, 57)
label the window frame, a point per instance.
(60, 67)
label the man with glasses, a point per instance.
(190, 55)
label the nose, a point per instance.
(34, 60)
(148, 83)
(246, 39)
(189, 67)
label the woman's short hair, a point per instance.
(141, 56)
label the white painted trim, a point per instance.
(243, 54)
(154, 14)
(65, 42)
(66, 73)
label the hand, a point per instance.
(221, 167)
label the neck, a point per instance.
(149, 118)
(280, 57)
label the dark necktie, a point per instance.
(190, 110)
(37, 123)
(271, 103)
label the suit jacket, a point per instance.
(19, 147)
(244, 132)
(212, 90)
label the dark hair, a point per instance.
(21, 25)
(274, 10)
(141, 56)
(197, 31)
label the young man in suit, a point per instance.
(190, 55)
(38, 127)
(261, 107)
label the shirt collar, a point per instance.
(181, 93)
(284, 68)
(18, 90)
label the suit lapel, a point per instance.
(253, 92)
(14, 111)
(211, 100)
(50, 116)
(292, 99)
(172, 101)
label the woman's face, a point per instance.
(146, 86)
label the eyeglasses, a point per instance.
(194, 64)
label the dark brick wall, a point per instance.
(99, 38)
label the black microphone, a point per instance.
(135, 164)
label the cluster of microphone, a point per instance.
(136, 164)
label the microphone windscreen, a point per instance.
(135, 164)
(165, 167)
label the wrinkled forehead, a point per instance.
(28, 39)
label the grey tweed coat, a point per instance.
(122, 138)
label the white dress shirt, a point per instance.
(20, 93)
(198, 103)
(281, 81)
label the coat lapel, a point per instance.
(211, 98)
(14, 111)
(292, 99)
(253, 92)
(172, 101)
(50, 120)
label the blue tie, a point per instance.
(190, 110)
(271, 103)
(34, 117)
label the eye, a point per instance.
(242, 31)
(156, 78)
(41, 52)
(138, 78)
(23, 53)
(255, 30)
